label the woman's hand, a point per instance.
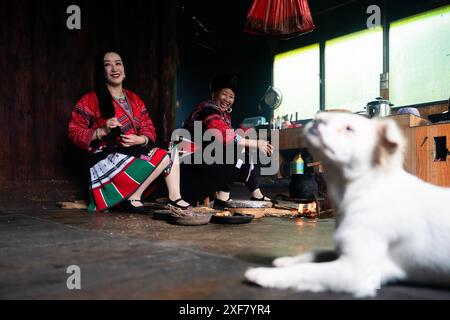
(105, 130)
(265, 147)
(261, 145)
(129, 140)
(112, 123)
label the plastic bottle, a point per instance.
(278, 123)
(298, 165)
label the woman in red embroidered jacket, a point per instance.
(113, 124)
(201, 180)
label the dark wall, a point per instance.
(251, 60)
(46, 68)
(220, 45)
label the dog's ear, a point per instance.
(390, 136)
(390, 142)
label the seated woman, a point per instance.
(201, 180)
(113, 124)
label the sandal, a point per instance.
(220, 204)
(264, 198)
(174, 204)
(127, 206)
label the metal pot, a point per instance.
(303, 186)
(379, 108)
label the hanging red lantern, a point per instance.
(279, 18)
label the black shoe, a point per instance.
(128, 207)
(220, 204)
(264, 198)
(174, 204)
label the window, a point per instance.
(297, 76)
(353, 64)
(420, 58)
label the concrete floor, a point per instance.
(128, 256)
(124, 256)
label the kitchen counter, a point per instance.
(421, 146)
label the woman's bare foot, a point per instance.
(136, 202)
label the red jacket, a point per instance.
(86, 118)
(212, 118)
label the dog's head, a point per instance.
(354, 143)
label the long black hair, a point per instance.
(103, 95)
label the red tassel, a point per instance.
(279, 18)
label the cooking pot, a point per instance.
(379, 108)
(303, 186)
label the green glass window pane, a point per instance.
(420, 58)
(353, 64)
(296, 74)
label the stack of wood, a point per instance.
(265, 212)
(284, 209)
(258, 209)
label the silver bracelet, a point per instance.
(146, 141)
(96, 133)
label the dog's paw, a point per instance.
(364, 293)
(284, 261)
(268, 277)
(256, 275)
(286, 278)
(290, 261)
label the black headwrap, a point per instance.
(222, 81)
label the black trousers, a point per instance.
(198, 181)
(241, 176)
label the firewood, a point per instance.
(249, 204)
(264, 212)
(77, 204)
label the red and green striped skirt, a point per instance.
(116, 177)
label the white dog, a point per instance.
(390, 225)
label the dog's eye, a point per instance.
(349, 129)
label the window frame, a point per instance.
(386, 22)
